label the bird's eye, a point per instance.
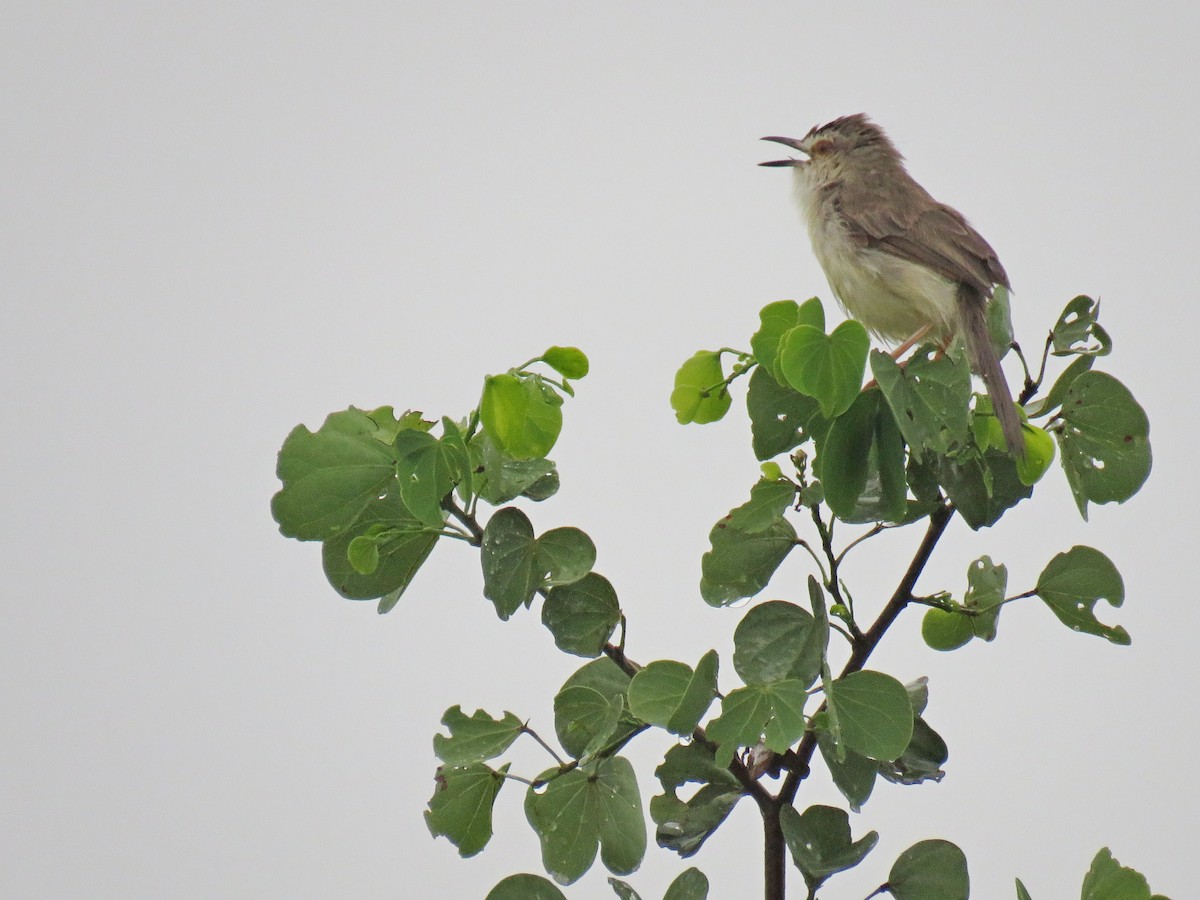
(822, 147)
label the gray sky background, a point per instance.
(222, 219)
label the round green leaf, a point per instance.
(775, 640)
(363, 553)
(670, 695)
(1039, 453)
(581, 616)
(400, 556)
(700, 393)
(1073, 582)
(873, 712)
(569, 362)
(1105, 441)
(657, 689)
(565, 554)
(943, 630)
(828, 368)
(525, 887)
(692, 884)
(521, 414)
(930, 870)
(579, 717)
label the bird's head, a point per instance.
(831, 146)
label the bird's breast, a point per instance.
(891, 296)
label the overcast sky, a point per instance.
(222, 219)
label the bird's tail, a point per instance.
(986, 363)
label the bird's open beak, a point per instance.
(794, 143)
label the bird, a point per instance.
(898, 261)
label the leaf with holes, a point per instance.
(1071, 585)
(1078, 330)
(1105, 441)
(929, 397)
(780, 418)
(820, 843)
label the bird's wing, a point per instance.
(930, 234)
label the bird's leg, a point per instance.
(912, 341)
(905, 347)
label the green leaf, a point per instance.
(1104, 440)
(565, 554)
(461, 805)
(982, 487)
(425, 473)
(929, 398)
(582, 615)
(521, 414)
(999, 321)
(826, 367)
(583, 705)
(690, 884)
(945, 630)
(474, 738)
(776, 320)
(363, 554)
(401, 554)
(590, 718)
(1058, 392)
(741, 564)
(508, 555)
(1077, 330)
(623, 890)
(500, 478)
(787, 724)
(525, 887)
(861, 463)
(930, 870)
(454, 444)
(672, 696)
(330, 476)
(597, 804)
(700, 393)
(768, 500)
(1107, 879)
(1071, 585)
(780, 418)
(820, 843)
(921, 761)
(569, 362)
(873, 712)
(777, 640)
(986, 583)
(1022, 893)
(685, 826)
(771, 712)
(854, 775)
(1039, 453)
